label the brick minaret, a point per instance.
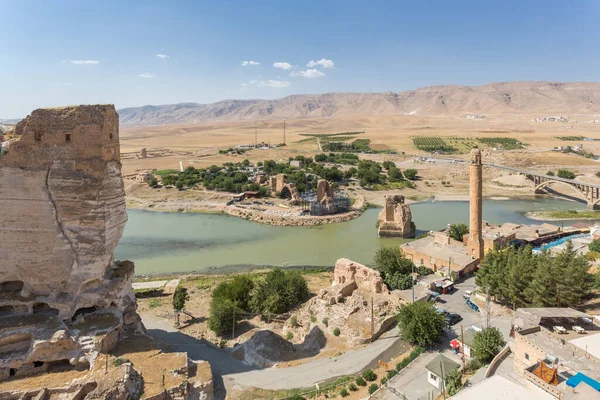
(475, 242)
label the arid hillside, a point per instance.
(493, 98)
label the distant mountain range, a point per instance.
(542, 98)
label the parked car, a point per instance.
(441, 311)
(453, 319)
(467, 294)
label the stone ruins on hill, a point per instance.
(65, 303)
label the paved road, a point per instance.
(231, 373)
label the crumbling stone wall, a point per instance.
(324, 191)
(395, 220)
(63, 213)
(347, 271)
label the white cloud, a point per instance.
(283, 65)
(274, 83)
(163, 56)
(246, 63)
(309, 73)
(269, 83)
(322, 62)
(84, 62)
(147, 75)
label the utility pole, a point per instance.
(462, 340)
(372, 320)
(412, 277)
(443, 383)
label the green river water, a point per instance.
(161, 243)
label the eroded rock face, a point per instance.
(395, 220)
(62, 214)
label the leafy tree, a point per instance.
(179, 185)
(410, 174)
(180, 297)
(457, 231)
(350, 173)
(420, 323)
(237, 290)
(487, 343)
(453, 381)
(574, 281)
(278, 291)
(595, 245)
(369, 375)
(394, 267)
(394, 174)
(388, 164)
(565, 173)
(543, 286)
(223, 316)
(424, 271)
(521, 268)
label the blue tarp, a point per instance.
(579, 377)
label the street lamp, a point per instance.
(412, 277)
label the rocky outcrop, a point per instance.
(347, 271)
(64, 301)
(395, 220)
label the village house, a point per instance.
(440, 253)
(438, 369)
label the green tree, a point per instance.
(420, 323)
(410, 174)
(574, 281)
(521, 269)
(180, 297)
(565, 173)
(595, 245)
(487, 343)
(453, 381)
(394, 267)
(152, 182)
(543, 286)
(388, 164)
(223, 316)
(237, 290)
(179, 185)
(457, 231)
(278, 291)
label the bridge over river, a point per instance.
(588, 191)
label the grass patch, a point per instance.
(569, 214)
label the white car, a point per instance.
(467, 294)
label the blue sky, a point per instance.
(57, 52)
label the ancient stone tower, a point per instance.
(475, 242)
(395, 220)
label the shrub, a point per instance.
(369, 375)
(180, 297)
(392, 373)
(410, 173)
(550, 173)
(278, 291)
(237, 290)
(344, 392)
(118, 361)
(221, 317)
(453, 381)
(295, 396)
(598, 174)
(383, 381)
(565, 173)
(336, 332)
(294, 321)
(373, 388)
(289, 336)
(595, 245)
(154, 303)
(152, 182)
(325, 321)
(360, 381)
(352, 387)
(473, 365)
(423, 271)
(313, 319)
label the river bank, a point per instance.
(568, 215)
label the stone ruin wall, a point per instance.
(324, 191)
(62, 214)
(395, 220)
(347, 271)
